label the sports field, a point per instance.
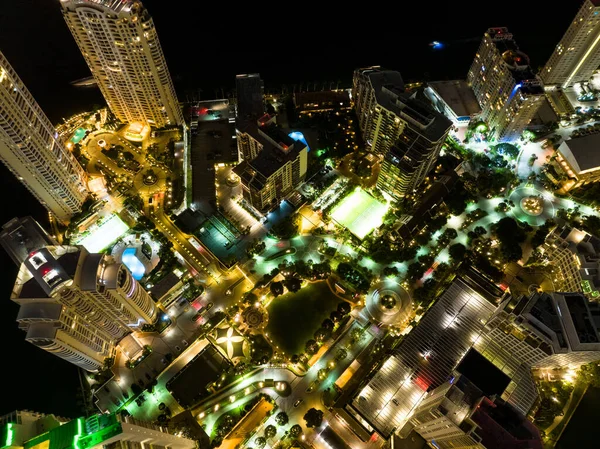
(360, 213)
(97, 238)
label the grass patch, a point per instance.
(294, 317)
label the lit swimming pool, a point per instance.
(133, 263)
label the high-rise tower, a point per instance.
(119, 43)
(250, 96)
(577, 54)
(32, 150)
(74, 304)
(506, 88)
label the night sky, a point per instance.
(288, 43)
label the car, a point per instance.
(298, 402)
(209, 305)
(184, 343)
(148, 376)
(177, 348)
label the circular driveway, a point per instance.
(521, 196)
(401, 300)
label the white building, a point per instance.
(119, 42)
(32, 150)
(504, 84)
(577, 55)
(74, 304)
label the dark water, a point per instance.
(288, 43)
(582, 431)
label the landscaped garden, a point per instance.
(294, 317)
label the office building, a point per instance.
(250, 96)
(32, 150)
(110, 431)
(273, 164)
(458, 415)
(74, 304)
(542, 331)
(428, 354)
(508, 91)
(578, 161)
(575, 257)
(577, 54)
(455, 99)
(119, 43)
(322, 101)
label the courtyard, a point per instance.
(294, 317)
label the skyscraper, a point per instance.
(577, 54)
(32, 150)
(74, 304)
(250, 96)
(119, 42)
(506, 88)
(397, 125)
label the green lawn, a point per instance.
(294, 317)
(360, 213)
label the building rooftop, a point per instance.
(458, 95)
(581, 153)
(21, 236)
(500, 426)
(390, 94)
(115, 5)
(278, 149)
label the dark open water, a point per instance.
(287, 42)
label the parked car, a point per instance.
(298, 402)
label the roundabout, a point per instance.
(533, 205)
(388, 303)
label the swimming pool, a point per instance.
(133, 263)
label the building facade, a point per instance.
(273, 164)
(577, 161)
(33, 151)
(108, 431)
(74, 304)
(406, 131)
(575, 257)
(508, 91)
(119, 43)
(543, 331)
(458, 415)
(250, 96)
(577, 55)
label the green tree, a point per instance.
(276, 288)
(344, 308)
(270, 431)
(311, 347)
(282, 418)
(457, 252)
(295, 431)
(313, 417)
(415, 271)
(260, 442)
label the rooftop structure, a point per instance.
(579, 159)
(20, 236)
(455, 99)
(427, 356)
(273, 164)
(577, 55)
(504, 84)
(120, 45)
(34, 152)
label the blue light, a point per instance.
(134, 265)
(514, 91)
(437, 45)
(297, 135)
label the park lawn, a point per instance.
(294, 317)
